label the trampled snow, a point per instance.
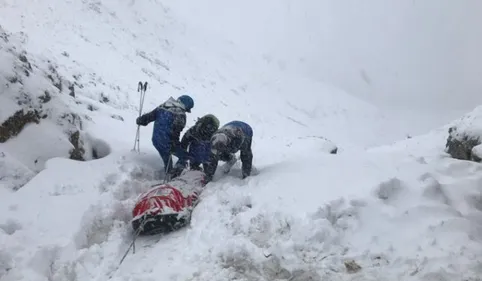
(376, 210)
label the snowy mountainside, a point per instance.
(77, 59)
(150, 41)
(306, 215)
(39, 116)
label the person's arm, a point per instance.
(246, 157)
(187, 138)
(210, 168)
(147, 118)
(177, 126)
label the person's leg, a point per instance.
(167, 159)
(178, 168)
(163, 148)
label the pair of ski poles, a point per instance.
(142, 89)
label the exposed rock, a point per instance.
(465, 135)
(31, 90)
(55, 78)
(14, 125)
(71, 90)
(460, 144)
(71, 119)
(77, 153)
(117, 117)
(103, 98)
(91, 107)
(87, 147)
(26, 64)
(351, 266)
(24, 99)
(46, 97)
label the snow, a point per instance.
(383, 207)
(378, 50)
(469, 125)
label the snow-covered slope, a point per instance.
(398, 212)
(424, 54)
(90, 74)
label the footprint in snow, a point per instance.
(10, 227)
(390, 191)
(435, 191)
(6, 263)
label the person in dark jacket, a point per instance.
(197, 142)
(232, 137)
(169, 120)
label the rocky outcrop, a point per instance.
(460, 146)
(15, 123)
(77, 153)
(465, 136)
(41, 115)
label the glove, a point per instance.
(206, 180)
(181, 153)
(140, 121)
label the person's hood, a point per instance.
(219, 143)
(171, 102)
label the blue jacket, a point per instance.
(200, 151)
(169, 120)
(240, 136)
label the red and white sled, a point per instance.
(168, 207)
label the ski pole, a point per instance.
(137, 233)
(166, 177)
(142, 89)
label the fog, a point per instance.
(409, 53)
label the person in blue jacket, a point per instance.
(229, 139)
(169, 120)
(197, 142)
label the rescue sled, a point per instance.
(167, 207)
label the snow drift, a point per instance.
(464, 140)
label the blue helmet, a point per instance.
(187, 101)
